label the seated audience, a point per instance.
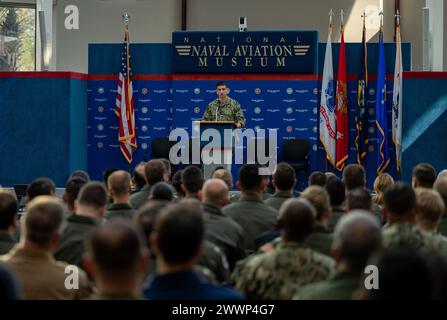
(90, 209)
(117, 261)
(40, 187)
(278, 274)
(424, 176)
(360, 199)
(336, 190)
(161, 191)
(39, 275)
(283, 181)
(192, 182)
(177, 184)
(154, 171)
(441, 186)
(138, 179)
(429, 210)
(72, 188)
(9, 288)
(250, 212)
(381, 183)
(118, 185)
(317, 178)
(177, 240)
(357, 237)
(80, 174)
(168, 171)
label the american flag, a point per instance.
(124, 107)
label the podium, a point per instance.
(216, 144)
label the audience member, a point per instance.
(381, 183)
(336, 190)
(441, 186)
(177, 184)
(168, 171)
(424, 176)
(118, 185)
(138, 179)
(8, 220)
(154, 171)
(429, 210)
(317, 178)
(192, 182)
(161, 191)
(40, 187)
(80, 174)
(283, 181)
(9, 288)
(360, 199)
(72, 188)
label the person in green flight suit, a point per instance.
(224, 108)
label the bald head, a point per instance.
(216, 192)
(441, 187)
(296, 219)
(118, 183)
(357, 236)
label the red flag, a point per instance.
(341, 110)
(124, 107)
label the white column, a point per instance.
(436, 15)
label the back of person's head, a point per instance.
(396, 267)
(43, 220)
(216, 192)
(177, 181)
(115, 250)
(72, 188)
(249, 178)
(317, 178)
(92, 195)
(319, 198)
(178, 234)
(8, 210)
(381, 183)
(225, 176)
(296, 218)
(192, 179)
(441, 186)
(429, 204)
(80, 174)
(139, 177)
(354, 176)
(146, 216)
(359, 198)
(357, 237)
(442, 173)
(167, 165)
(424, 175)
(40, 187)
(161, 191)
(399, 199)
(118, 183)
(284, 177)
(154, 170)
(106, 174)
(336, 190)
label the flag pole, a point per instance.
(126, 18)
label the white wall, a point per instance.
(152, 21)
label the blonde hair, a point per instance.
(382, 182)
(430, 204)
(319, 198)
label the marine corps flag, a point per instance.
(341, 110)
(383, 158)
(327, 115)
(361, 121)
(124, 107)
(397, 98)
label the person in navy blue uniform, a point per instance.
(177, 242)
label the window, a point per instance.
(17, 38)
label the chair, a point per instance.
(296, 152)
(160, 148)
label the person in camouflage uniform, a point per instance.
(278, 274)
(224, 108)
(400, 210)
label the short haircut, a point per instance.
(284, 176)
(93, 194)
(161, 191)
(40, 187)
(425, 175)
(225, 176)
(167, 164)
(81, 174)
(359, 198)
(336, 190)
(8, 209)
(119, 183)
(43, 219)
(140, 180)
(317, 178)
(192, 179)
(180, 232)
(115, 248)
(296, 218)
(154, 171)
(354, 176)
(249, 177)
(177, 181)
(441, 187)
(146, 217)
(381, 183)
(430, 204)
(72, 188)
(221, 83)
(399, 199)
(215, 191)
(319, 198)
(358, 236)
